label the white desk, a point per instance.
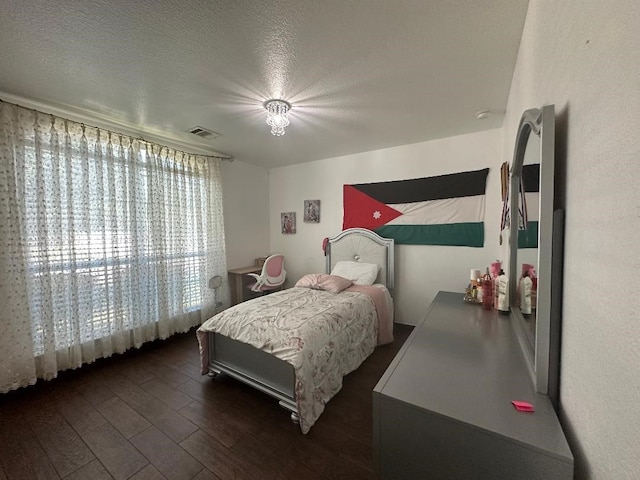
(238, 280)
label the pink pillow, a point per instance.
(322, 281)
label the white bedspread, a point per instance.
(323, 335)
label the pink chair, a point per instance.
(272, 276)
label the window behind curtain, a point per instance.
(117, 237)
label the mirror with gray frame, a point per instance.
(531, 244)
(528, 216)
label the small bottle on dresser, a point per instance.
(525, 292)
(502, 287)
(487, 291)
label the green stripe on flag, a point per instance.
(451, 234)
(528, 238)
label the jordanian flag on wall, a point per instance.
(530, 213)
(442, 210)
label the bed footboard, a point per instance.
(254, 367)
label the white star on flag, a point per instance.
(377, 214)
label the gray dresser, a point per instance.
(443, 410)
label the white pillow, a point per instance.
(359, 273)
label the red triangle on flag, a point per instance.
(363, 211)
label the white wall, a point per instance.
(584, 57)
(421, 270)
(245, 190)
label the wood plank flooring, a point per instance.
(149, 414)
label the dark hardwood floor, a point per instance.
(149, 414)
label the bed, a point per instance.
(297, 344)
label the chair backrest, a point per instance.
(273, 272)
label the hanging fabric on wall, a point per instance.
(441, 210)
(529, 206)
(504, 190)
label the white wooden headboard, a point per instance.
(362, 245)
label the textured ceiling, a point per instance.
(361, 74)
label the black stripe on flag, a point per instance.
(464, 184)
(531, 177)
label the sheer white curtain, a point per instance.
(106, 242)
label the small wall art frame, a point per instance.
(288, 222)
(311, 211)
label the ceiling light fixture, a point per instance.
(277, 115)
(482, 114)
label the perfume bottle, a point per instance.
(487, 291)
(525, 294)
(502, 287)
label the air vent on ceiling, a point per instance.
(204, 133)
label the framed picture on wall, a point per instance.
(288, 222)
(311, 211)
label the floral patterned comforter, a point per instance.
(323, 335)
